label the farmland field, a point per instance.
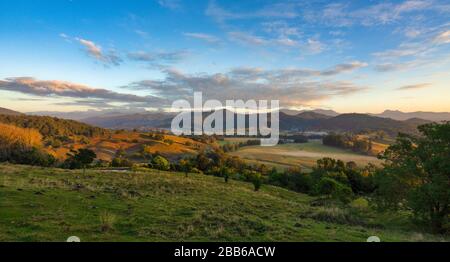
(305, 155)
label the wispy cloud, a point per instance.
(141, 33)
(283, 10)
(415, 86)
(171, 4)
(210, 39)
(442, 38)
(414, 54)
(343, 68)
(342, 14)
(246, 38)
(158, 59)
(95, 51)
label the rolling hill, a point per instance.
(51, 126)
(105, 205)
(5, 111)
(362, 122)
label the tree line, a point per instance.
(52, 126)
(348, 141)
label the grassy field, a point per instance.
(305, 155)
(39, 204)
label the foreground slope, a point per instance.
(39, 204)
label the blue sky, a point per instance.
(350, 56)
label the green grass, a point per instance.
(41, 204)
(305, 155)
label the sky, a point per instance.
(348, 56)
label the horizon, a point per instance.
(346, 56)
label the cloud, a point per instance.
(277, 10)
(281, 29)
(347, 67)
(95, 51)
(248, 39)
(158, 59)
(405, 49)
(99, 104)
(415, 86)
(65, 37)
(51, 88)
(442, 38)
(410, 55)
(293, 87)
(141, 33)
(342, 14)
(314, 46)
(171, 4)
(204, 37)
(254, 40)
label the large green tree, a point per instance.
(417, 171)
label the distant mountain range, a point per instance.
(431, 116)
(389, 121)
(318, 111)
(80, 115)
(304, 121)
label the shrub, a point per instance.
(256, 180)
(160, 163)
(336, 215)
(121, 162)
(80, 159)
(332, 188)
(107, 221)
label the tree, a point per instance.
(257, 181)
(80, 159)
(185, 166)
(160, 163)
(334, 189)
(420, 167)
(225, 172)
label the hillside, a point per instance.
(51, 126)
(131, 121)
(133, 145)
(51, 204)
(363, 122)
(60, 136)
(5, 111)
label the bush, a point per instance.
(121, 162)
(336, 215)
(332, 188)
(160, 163)
(107, 221)
(257, 181)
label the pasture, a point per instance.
(47, 204)
(304, 155)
